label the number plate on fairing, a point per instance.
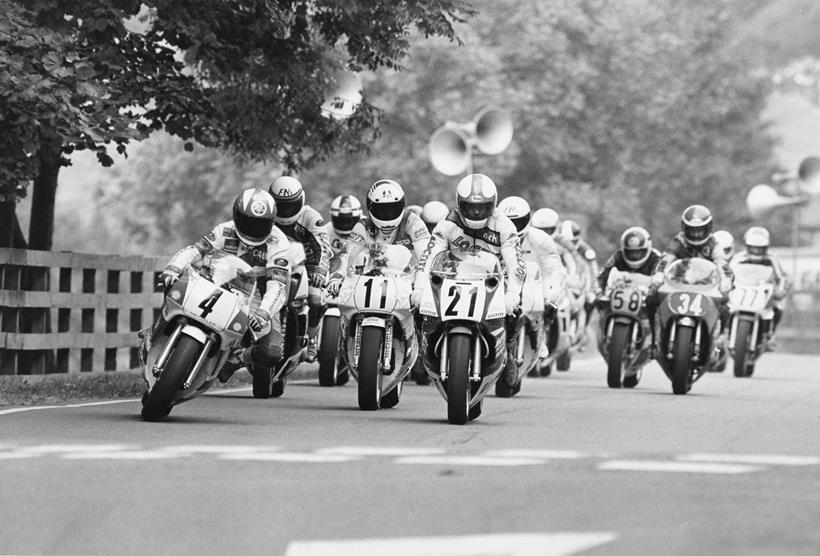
(209, 302)
(686, 304)
(626, 300)
(462, 300)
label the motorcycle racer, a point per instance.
(547, 220)
(251, 236)
(538, 246)
(345, 213)
(303, 224)
(587, 262)
(477, 223)
(634, 254)
(388, 222)
(756, 240)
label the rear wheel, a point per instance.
(682, 360)
(328, 346)
(742, 366)
(370, 375)
(617, 349)
(157, 403)
(458, 378)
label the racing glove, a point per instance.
(168, 277)
(512, 301)
(334, 284)
(259, 319)
(317, 280)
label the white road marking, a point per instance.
(75, 448)
(289, 457)
(385, 451)
(468, 460)
(67, 406)
(125, 454)
(19, 454)
(541, 454)
(513, 544)
(753, 459)
(676, 466)
(217, 449)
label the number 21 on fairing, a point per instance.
(688, 303)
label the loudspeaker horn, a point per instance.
(493, 130)
(762, 199)
(344, 96)
(451, 145)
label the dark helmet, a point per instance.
(636, 245)
(253, 214)
(696, 224)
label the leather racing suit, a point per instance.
(273, 256)
(781, 279)
(309, 230)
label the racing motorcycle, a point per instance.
(524, 357)
(205, 314)
(270, 382)
(564, 332)
(751, 304)
(626, 338)
(688, 324)
(463, 340)
(378, 345)
(330, 373)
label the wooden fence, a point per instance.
(63, 312)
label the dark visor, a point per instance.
(386, 211)
(476, 211)
(344, 222)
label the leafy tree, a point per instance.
(74, 74)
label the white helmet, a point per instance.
(725, 242)
(518, 210)
(476, 196)
(345, 212)
(289, 197)
(433, 213)
(756, 240)
(385, 203)
(545, 219)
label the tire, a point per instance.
(682, 360)
(158, 402)
(631, 381)
(617, 347)
(458, 378)
(328, 346)
(564, 360)
(369, 369)
(262, 382)
(744, 333)
(277, 388)
(391, 399)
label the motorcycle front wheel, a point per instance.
(158, 402)
(458, 378)
(682, 360)
(328, 344)
(743, 367)
(617, 349)
(370, 387)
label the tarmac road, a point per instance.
(567, 465)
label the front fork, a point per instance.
(387, 348)
(475, 369)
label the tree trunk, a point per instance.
(41, 229)
(10, 233)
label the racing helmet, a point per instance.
(756, 240)
(725, 242)
(385, 203)
(636, 246)
(345, 212)
(434, 212)
(476, 197)
(696, 224)
(253, 213)
(545, 219)
(571, 230)
(517, 209)
(289, 197)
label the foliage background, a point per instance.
(625, 112)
